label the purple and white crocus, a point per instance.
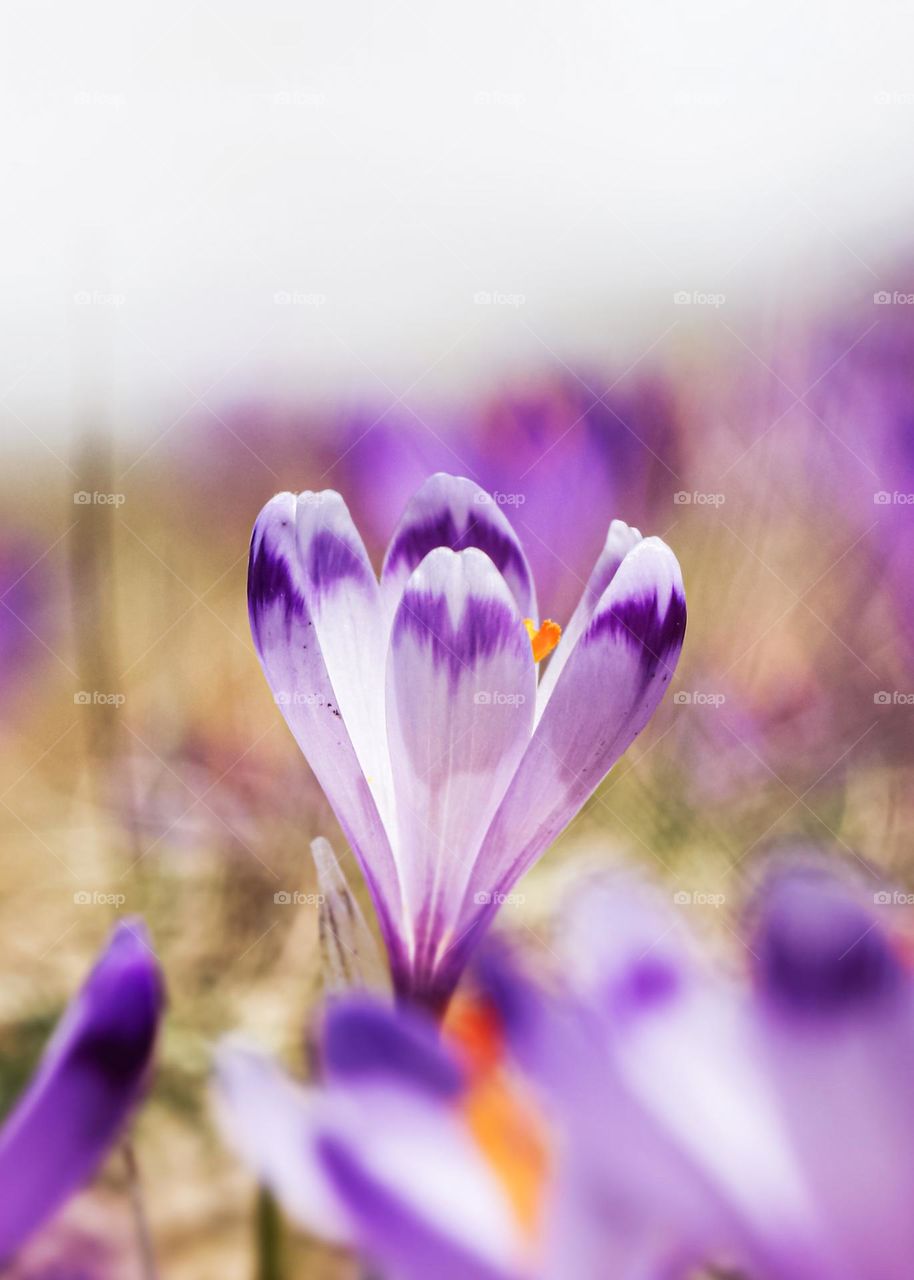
(695, 1117)
(92, 1074)
(416, 702)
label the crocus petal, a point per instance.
(271, 1123)
(330, 1154)
(619, 541)
(605, 695)
(411, 1242)
(836, 1033)
(683, 1042)
(625, 1200)
(461, 689)
(314, 607)
(92, 1073)
(450, 511)
(366, 1043)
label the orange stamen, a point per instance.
(503, 1121)
(543, 638)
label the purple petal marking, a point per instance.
(454, 513)
(642, 622)
(484, 627)
(820, 951)
(93, 1071)
(270, 582)
(366, 1042)
(412, 544)
(647, 985)
(332, 560)
(390, 1232)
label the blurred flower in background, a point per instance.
(557, 455)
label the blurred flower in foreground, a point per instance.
(93, 1072)
(382, 1156)
(417, 706)
(556, 443)
(668, 1117)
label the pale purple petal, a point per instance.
(608, 690)
(836, 1033)
(620, 539)
(403, 1241)
(272, 1123)
(461, 690)
(307, 571)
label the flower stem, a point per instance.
(140, 1220)
(269, 1237)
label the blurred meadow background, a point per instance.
(614, 261)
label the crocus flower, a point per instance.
(92, 1073)
(416, 702)
(688, 1117)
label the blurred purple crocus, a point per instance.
(562, 441)
(93, 1072)
(379, 1156)
(764, 1126)
(24, 594)
(416, 701)
(759, 1124)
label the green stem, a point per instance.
(269, 1237)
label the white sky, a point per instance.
(172, 167)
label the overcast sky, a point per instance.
(208, 199)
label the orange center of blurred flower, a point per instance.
(543, 638)
(502, 1120)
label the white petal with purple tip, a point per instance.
(461, 690)
(606, 693)
(451, 511)
(620, 539)
(286, 580)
